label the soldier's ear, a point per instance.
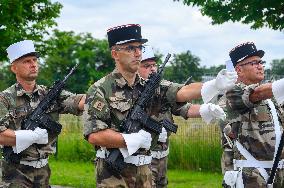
(13, 68)
(238, 69)
(114, 54)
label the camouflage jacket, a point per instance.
(16, 104)
(109, 100)
(253, 122)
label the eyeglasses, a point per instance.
(131, 48)
(254, 63)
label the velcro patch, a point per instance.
(99, 105)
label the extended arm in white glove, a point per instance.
(211, 112)
(25, 138)
(134, 141)
(224, 81)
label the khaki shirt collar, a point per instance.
(121, 81)
(20, 90)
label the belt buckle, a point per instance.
(159, 154)
(141, 160)
(37, 163)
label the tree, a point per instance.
(7, 78)
(64, 49)
(182, 67)
(25, 19)
(268, 13)
(213, 70)
(277, 67)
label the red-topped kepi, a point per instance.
(124, 34)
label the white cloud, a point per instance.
(169, 26)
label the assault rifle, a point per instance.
(38, 118)
(188, 81)
(138, 119)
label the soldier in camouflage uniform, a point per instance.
(110, 99)
(253, 119)
(160, 152)
(16, 102)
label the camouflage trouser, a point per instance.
(159, 172)
(252, 179)
(227, 161)
(132, 176)
(2, 184)
(22, 176)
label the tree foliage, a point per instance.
(182, 67)
(25, 19)
(64, 49)
(258, 13)
(277, 67)
(213, 70)
(6, 77)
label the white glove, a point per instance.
(163, 136)
(25, 138)
(225, 80)
(210, 112)
(134, 141)
(278, 91)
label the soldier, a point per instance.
(110, 99)
(16, 102)
(160, 152)
(253, 120)
(226, 141)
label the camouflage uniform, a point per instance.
(226, 141)
(15, 104)
(255, 132)
(107, 104)
(159, 162)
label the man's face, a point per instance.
(146, 68)
(128, 56)
(251, 70)
(25, 68)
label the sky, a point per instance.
(170, 27)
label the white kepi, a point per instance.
(148, 53)
(20, 49)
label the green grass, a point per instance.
(193, 179)
(73, 174)
(81, 175)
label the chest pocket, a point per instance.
(19, 114)
(261, 114)
(120, 106)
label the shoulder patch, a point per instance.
(99, 105)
